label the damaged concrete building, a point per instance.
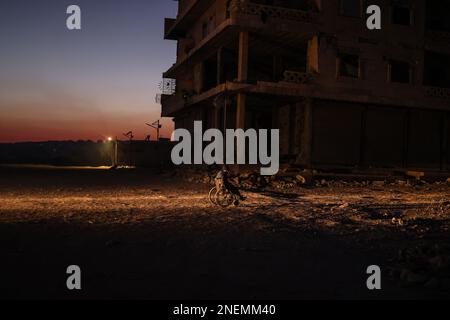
(341, 95)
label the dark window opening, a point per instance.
(401, 15)
(209, 74)
(351, 8)
(348, 65)
(400, 72)
(437, 15)
(436, 70)
(260, 68)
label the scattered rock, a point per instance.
(344, 206)
(418, 175)
(398, 221)
(378, 183)
(300, 179)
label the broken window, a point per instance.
(351, 8)
(399, 71)
(348, 65)
(401, 15)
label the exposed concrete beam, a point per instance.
(240, 111)
(219, 65)
(243, 56)
(242, 77)
(313, 55)
(306, 154)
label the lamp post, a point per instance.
(115, 151)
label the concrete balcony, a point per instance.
(171, 104)
(266, 12)
(168, 25)
(297, 77)
(189, 12)
(436, 92)
(438, 41)
(439, 36)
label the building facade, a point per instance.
(342, 95)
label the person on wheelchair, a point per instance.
(222, 181)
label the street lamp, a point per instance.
(114, 151)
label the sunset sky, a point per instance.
(57, 84)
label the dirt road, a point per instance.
(137, 234)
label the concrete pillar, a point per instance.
(318, 4)
(306, 154)
(313, 55)
(219, 66)
(406, 129)
(216, 117)
(242, 77)
(284, 126)
(243, 57)
(240, 110)
(445, 152)
(277, 68)
(198, 77)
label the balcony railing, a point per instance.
(436, 92)
(268, 11)
(297, 77)
(439, 36)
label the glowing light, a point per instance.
(110, 139)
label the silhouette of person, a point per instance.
(222, 178)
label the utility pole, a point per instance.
(116, 152)
(156, 125)
(130, 137)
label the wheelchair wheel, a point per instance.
(224, 198)
(213, 196)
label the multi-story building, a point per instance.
(341, 94)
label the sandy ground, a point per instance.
(137, 234)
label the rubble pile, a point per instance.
(247, 180)
(289, 178)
